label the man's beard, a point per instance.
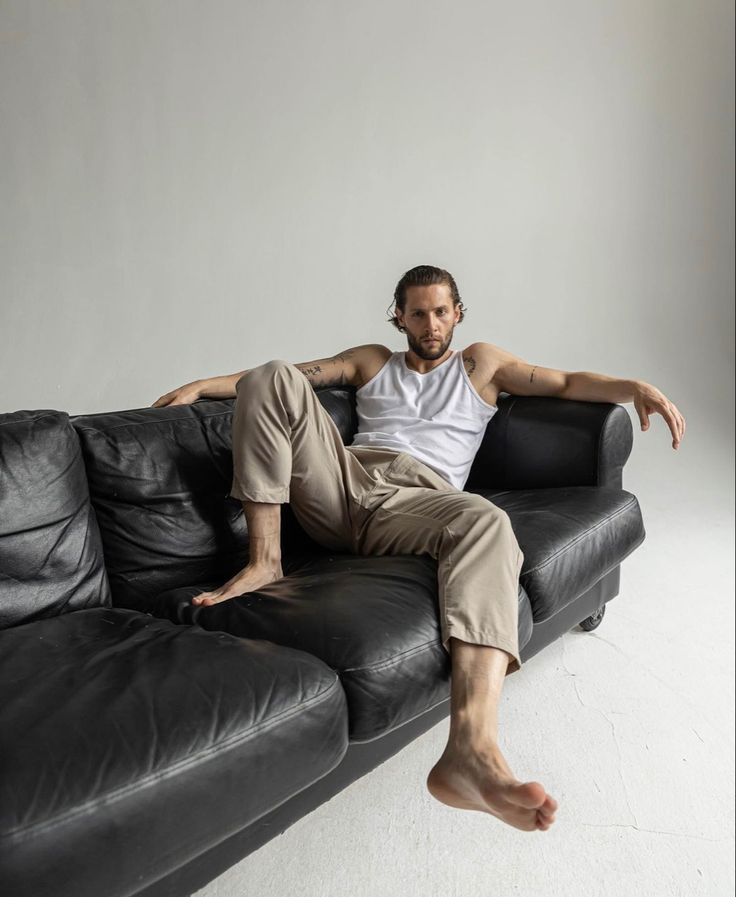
(429, 351)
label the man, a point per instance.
(399, 489)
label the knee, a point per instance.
(478, 515)
(266, 373)
(478, 507)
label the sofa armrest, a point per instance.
(537, 442)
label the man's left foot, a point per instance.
(478, 778)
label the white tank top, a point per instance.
(437, 417)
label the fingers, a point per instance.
(676, 424)
(673, 417)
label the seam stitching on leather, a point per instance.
(587, 532)
(146, 423)
(387, 664)
(189, 761)
(601, 433)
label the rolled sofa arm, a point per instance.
(537, 442)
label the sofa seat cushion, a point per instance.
(571, 536)
(130, 744)
(372, 619)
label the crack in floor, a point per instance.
(613, 731)
(654, 831)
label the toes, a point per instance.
(206, 598)
(549, 807)
(530, 795)
(215, 598)
(544, 821)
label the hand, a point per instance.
(184, 395)
(648, 400)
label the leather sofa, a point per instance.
(147, 744)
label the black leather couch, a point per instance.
(147, 744)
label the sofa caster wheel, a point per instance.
(594, 621)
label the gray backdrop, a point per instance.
(190, 189)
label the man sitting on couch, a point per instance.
(398, 489)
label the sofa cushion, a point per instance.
(571, 536)
(51, 559)
(130, 745)
(159, 481)
(373, 619)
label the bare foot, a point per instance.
(249, 579)
(479, 779)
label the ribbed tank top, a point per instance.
(437, 417)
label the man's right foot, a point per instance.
(250, 578)
(480, 779)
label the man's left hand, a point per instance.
(649, 400)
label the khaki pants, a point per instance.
(373, 501)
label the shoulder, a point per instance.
(481, 357)
(369, 360)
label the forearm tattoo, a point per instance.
(531, 378)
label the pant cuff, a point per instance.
(271, 496)
(487, 639)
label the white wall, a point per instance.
(190, 189)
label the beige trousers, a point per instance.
(373, 501)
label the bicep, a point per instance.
(337, 370)
(518, 377)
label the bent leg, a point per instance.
(287, 448)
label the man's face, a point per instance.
(429, 314)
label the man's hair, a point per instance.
(423, 276)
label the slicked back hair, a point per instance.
(423, 276)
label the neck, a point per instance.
(424, 365)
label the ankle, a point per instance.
(476, 731)
(265, 551)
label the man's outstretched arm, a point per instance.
(338, 370)
(515, 376)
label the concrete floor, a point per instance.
(629, 727)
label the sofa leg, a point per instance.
(593, 621)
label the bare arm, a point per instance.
(339, 370)
(213, 388)
(514, 375)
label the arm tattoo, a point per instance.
(469, 363)
(315, 369)
(531, 378)
(327, 371)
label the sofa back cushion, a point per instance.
(160, 481)
(51, 559)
